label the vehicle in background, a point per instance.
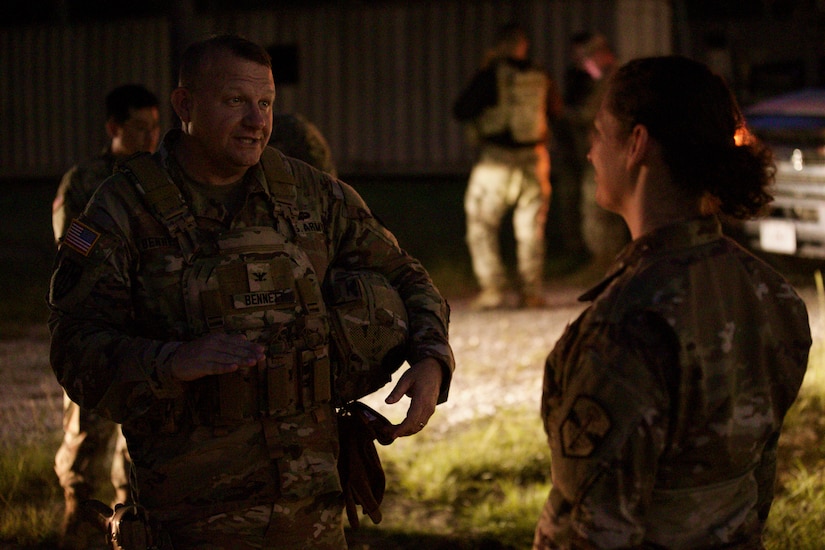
(793, 125)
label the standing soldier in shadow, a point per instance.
(604, 233)
(297, 137)
(506, 107)
(133, 125)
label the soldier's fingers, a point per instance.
(399, 391)
(417, 417)
(410, 426)
(216, 354)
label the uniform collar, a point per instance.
(669, 238)
(268, 176)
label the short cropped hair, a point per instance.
(121, 101)
(510, 34)
(198, 53)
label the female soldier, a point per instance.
(664, 401)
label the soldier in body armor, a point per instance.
(188, 306)
(506, 107)
(133, 125)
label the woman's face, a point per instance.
(608, 155)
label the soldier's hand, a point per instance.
(422, 383)
(214, 354)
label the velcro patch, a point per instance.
(65, 278)
(584, 428)
(80, 237)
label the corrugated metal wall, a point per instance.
(377, 78)
(54, 82)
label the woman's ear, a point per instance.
(638, 145)
(182, 103)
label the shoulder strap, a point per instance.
(281, 182)
(164, 200)
(168, 205)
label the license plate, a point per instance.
(777, 236)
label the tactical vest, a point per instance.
(255, 281)
(521, 107)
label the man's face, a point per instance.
(141, 132)
(229, 115)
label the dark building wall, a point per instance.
(378, 78)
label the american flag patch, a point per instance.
(80, 237)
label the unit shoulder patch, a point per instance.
(584, 428)
(65, 279)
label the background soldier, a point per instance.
(604, 233)
(506, 106)
(295, 136)
(133, 125)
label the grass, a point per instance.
(482, 482)
(30, 499)
(486, 483)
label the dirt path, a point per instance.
(31, 400)
(499, 357)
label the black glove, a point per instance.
(359, 466)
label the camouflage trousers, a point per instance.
(309, 523)
(270, 483)
(501, 181)
(82, 459)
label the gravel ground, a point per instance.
(31, 400)
(499, 356)
(499, 359)
(499, 364)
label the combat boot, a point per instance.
(489, 298)
(532, 300)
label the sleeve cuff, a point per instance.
(164, 385)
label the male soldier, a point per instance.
(295, 136)
(507, 104)
(188, 307)
(604, 233)
(133, 125)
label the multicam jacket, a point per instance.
(126, 293)
(664, 400)
(77, 186)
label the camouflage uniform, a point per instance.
(295, 136)
(603, 233)
(248, 459)
(87, 436)
(663, 402)
(506, 105)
